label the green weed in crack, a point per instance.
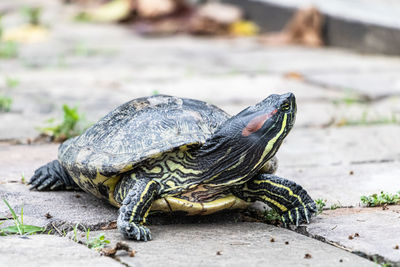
(19, 228)
(96, 243)
(376, 200)
(321, 203)
(72, 125)
(12, 82)
(5, 103)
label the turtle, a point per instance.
(178, 155)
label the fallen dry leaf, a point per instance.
(243, 28)
(110, 252)
(112, 11)
(157, 8)
(304, 28)
(111, 225)
(294, 75)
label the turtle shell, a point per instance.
(135, 131)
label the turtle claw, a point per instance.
(299, 215)
(43, 180)
(136, 232)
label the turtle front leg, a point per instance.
(52, 176)
(289, 199)
(136, 196)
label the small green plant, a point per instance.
(8, 49)
(70, 126)
(363, 120)
(321, 203)
(19, 228)
(349, 99)
(23, 180)
(32, 14)
(376, 200)
(96, 243)
(155, 92)
(75, 229)
(335, 206)
(12, 82)
(82, 49)
(271, 216)
(5, 103)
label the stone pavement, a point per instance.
(344, 144)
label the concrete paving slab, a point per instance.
(237, 244)
(66, 208)
(48, 250)
(340, 145)
(373, 84)
(16, 160)
(344, 185)
(342, 164)
(371, 232)
(41, 94)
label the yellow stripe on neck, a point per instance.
(271, 142)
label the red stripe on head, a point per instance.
(256, 123)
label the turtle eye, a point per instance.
(285, 106)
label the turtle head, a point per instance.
(261, 129)
(265, 125)
(245, 142)
(271, 119)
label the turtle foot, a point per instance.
(134, 231)
(45, 178)
(299, 215)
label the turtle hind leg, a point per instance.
(289, 199)
(52, 176)
(136, 197)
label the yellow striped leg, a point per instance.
(136, 204)
(286, 197)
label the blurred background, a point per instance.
(86, 57)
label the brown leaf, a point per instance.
(111, 225)
(119, 246)
(294, 75)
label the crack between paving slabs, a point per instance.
(67, 229)
(371, 257)
(365, 98)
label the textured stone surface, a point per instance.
(48, 250)
(342, 164)
(65, 208)
(344, 145)
(377, 230)
(23, 159)
(337, 185)
(238, 245)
